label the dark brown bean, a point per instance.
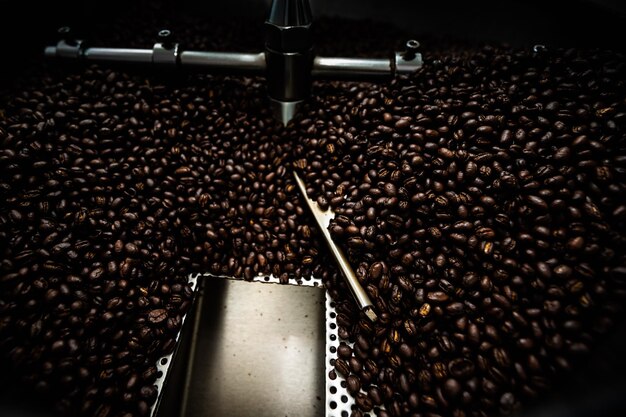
(157, 316)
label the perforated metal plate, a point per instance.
(164, 364)
(311, 282)
(338, 402)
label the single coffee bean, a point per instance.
(353, 384)
(157, 316)
(342, 367)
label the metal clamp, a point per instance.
(410, 60)
(165, 52)
(67, 47)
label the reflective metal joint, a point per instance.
(68, 46)
(410, 60)
(165, 51)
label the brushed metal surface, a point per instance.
(259, 351)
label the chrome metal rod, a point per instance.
(141, 56)
(349, 68)
(242, 63)
(252, 64)
(50, 51)
(334, 68)
(230, 62)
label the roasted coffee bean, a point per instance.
(342, 367)
(363, 402)
(374, 394)
(355, 365)
(131, 248)
(148, 393)
(437, 296)
(452, 389)
(344, 351)
(461, 368)
(376, 270)
(157, 316)
(354, 385)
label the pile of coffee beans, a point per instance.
(480, 201)
(114, 190)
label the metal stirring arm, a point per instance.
(323, 218)
(287, 62)
(164, 53)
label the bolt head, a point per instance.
(66, 35)
(411, 51)
(412, 45)
(165, 35)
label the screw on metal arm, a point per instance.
(67, 34)
(412, 48)
(165, 37)
(409, 60)
(67, 46)
(165, 51)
